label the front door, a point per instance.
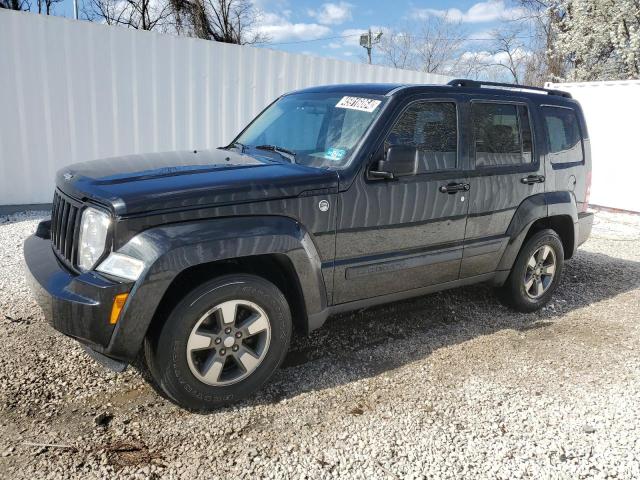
(407, 233)
(507, 170)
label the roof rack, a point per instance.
(462, 82)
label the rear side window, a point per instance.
(563, 131)
(431, 127)
(502, 135)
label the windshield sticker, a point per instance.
(358, 103)
(335, 154)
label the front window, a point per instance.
(431, 127)
(315, 129)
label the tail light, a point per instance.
(587, 192)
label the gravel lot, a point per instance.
(451, 385)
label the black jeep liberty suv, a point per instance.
(334, 198)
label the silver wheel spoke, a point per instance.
(254, 324)
(212, 369)
(540, 270)
(529, 283)
(209, 347)
(545, 252)
(247, 359)
(228, 312)
(198, 341)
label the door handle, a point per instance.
(454, 187)
(531, 179)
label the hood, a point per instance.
(174, 180)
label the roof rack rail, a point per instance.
(462, 82)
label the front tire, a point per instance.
(221, 343)
(535, 274)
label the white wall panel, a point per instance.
(73, 91)
(611, 110)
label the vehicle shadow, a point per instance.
(340, 351)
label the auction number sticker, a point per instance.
(358, 103)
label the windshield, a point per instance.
(315, 129)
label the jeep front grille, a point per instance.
(65, 227)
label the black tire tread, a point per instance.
(511, 293)
(164, 369)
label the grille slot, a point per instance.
(65, 225)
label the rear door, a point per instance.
(403, 234)
(506, 170)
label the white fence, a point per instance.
(611, 110)
(72, 91)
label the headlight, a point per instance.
(93, 236)
(122, 266)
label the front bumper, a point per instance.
(78, 305)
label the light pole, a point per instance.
(367, 41)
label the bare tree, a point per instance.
(472, 65)
(433, 45)
(397, 49)
(46, 6)
(546, 16)
(509, 52)
(137, 14)
(440, 44)
(228, 21)
(15, 4)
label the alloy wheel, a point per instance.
(228, 342)
(540, 271)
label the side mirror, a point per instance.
(400, 161)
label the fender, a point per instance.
(532, 209)
(170, 249)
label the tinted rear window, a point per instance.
(563, 131)
(502, 134)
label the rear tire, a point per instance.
(535, 274)
(221, 342)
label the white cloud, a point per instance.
(488, 58)
(480, 12)
(332, 13)
(279, 29)
(482, 35)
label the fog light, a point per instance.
(118, 304)
(123, 266)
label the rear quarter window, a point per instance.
(563, 131)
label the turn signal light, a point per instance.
(118, 303)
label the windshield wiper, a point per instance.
(236, 145)
(288, 154)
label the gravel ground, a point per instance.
(451, 385)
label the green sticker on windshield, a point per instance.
(335, 154)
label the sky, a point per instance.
(332, 29)
(306, 26)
